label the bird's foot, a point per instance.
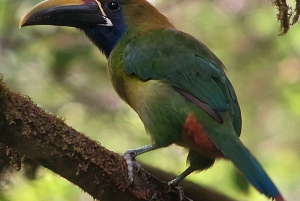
(132, 165)
(173, 184)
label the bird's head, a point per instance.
(103, 21)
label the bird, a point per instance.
(174, 82)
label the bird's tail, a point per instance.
(250, 168)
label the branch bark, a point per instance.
(46, 139)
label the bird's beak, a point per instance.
(73, 13)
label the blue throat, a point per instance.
(105, 37)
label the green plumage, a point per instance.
(145, 71)
(181, 61)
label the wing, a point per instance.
(183, 62)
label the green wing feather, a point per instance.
(183, 62)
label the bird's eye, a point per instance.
(114, 6)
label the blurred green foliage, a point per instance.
(65, 74)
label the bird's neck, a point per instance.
(105, 38)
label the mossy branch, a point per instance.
(46, 139)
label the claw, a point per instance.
(173, 184)
(132, 165)
(153, 198)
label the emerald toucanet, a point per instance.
(176, 85)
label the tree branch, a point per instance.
(287, 15)
(46, 139)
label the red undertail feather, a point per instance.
(279, 198)
(196, 137)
